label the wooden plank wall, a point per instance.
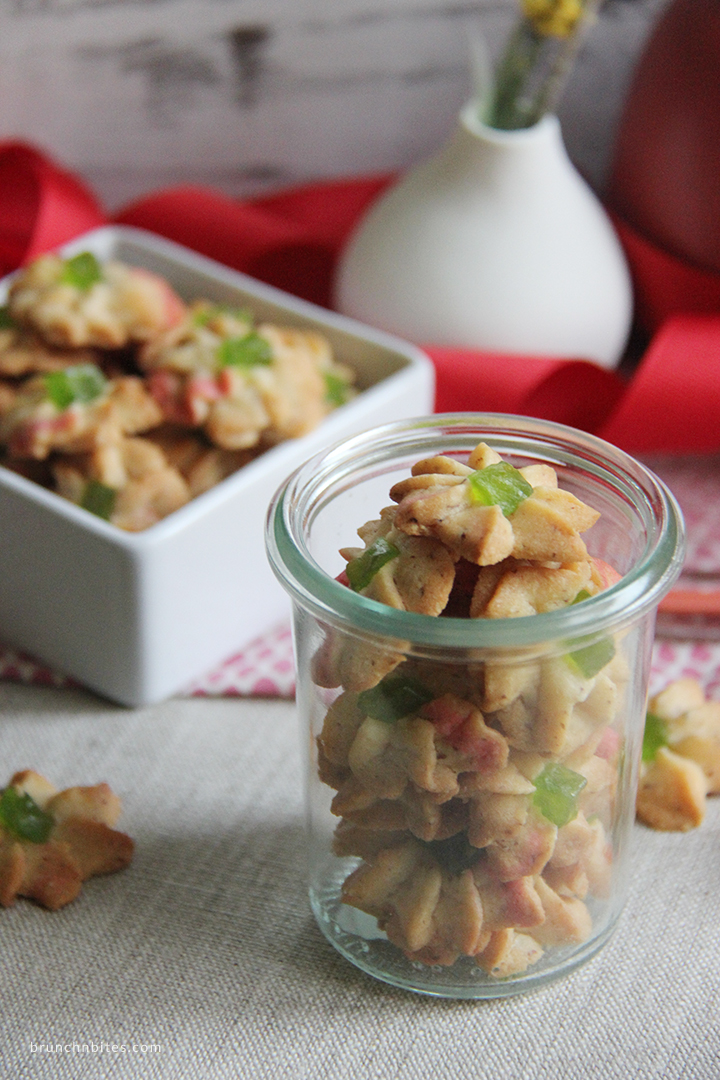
(252, 95)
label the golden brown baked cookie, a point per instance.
(681, 757)
(91, 353)
(77, 302)
(244, 387)
(52, 841)
(128, 481)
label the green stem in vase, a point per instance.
(537, 61)
(507, 106)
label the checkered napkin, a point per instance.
(265, 668)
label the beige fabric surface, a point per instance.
(203, 955)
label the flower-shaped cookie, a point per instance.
(75, 410)
(52, 841)
(23, 352)
(438, 901)
(681, 757)
(78, 302)
(243, 386)
(201, 464)
(395, 735)
(488, 511)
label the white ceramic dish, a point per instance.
(138, 616)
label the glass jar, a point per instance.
(471, 781)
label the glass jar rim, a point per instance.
(298, 500)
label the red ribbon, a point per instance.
(41, 206)
(292, 240)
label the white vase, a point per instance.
(496, 243)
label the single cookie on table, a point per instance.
(681, 757)
(671, 793)
(77, 302)
(52, 841)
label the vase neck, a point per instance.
(546, 129)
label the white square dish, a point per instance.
(138, 616)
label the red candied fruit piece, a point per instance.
(608, 574)
(460, 724)
(485, 750)
(206, 386)
(609, 744)
(447, 713)
(222, 386)
(173, 308)
(168, 391)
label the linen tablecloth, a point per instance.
(203, 962)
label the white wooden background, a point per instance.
(249, 95)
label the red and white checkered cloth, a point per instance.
(264, 669)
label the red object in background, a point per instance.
(665, 177)
(289, 240)
(41, 205)
(673, 399)
(576, 392)
(664, 285)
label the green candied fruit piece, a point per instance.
(655, 736)
(202, 318)
(336, 389)
(593, 658)
(393, 698)
(582, 595)
(556, 792)
(6, 320)
(99, 499)
(22, 816)
(82, 271)
(245, 352)
(362, 570)
(500, 485)
(82, 383)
